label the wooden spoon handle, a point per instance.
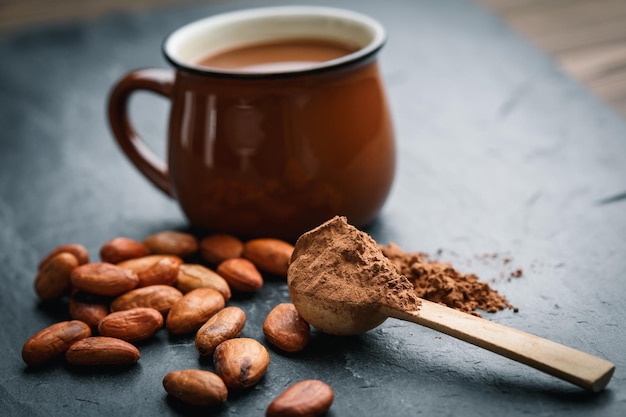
(582, 369)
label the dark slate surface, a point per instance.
(499, 152)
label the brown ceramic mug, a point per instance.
(268, 152)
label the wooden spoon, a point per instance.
(342, 284)
(353, 317)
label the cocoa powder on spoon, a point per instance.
(354, 270)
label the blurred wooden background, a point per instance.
(587, 37)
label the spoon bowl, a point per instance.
(341, 318)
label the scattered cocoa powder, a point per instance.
(338, 262)
(488, 264)
(441, 283)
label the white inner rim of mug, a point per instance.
(192, 42)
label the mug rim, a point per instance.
(362, 54)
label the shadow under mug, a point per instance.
(268, 154)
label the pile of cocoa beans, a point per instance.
(137, 288)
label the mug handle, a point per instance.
(156, 80)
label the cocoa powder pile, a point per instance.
(441, 283)
(338, 262)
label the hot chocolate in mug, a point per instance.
(278, 121)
